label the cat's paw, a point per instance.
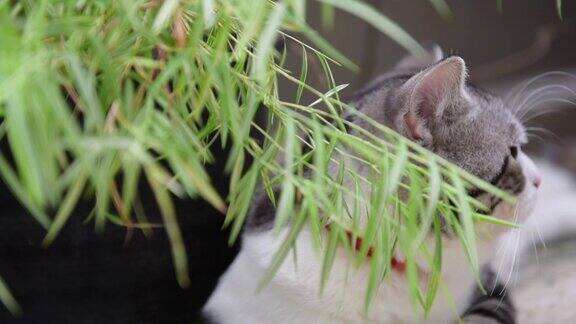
(480, 319)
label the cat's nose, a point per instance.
(537, 180)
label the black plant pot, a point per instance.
(85, 277)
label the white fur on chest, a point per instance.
(293, 295)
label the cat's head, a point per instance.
(468, 126)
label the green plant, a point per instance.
(97, 93)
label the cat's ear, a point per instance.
(431, 95)
(410, 62)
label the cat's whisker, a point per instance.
(518, 263)
(535, 249)
(529, 97)
(501, 250)
(536, 137)
(540, 237)
(517, 92)
(533, 106)
(541, 92)
(514, 259)
(541, 113)
(532, 132)
(519, 88)
(527, 117)
(533, 129)
(507, 257)
(536, 234)
(504, 250)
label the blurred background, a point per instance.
(88, 277)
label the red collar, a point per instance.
(395, 263)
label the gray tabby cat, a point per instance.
(431, 103)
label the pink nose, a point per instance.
(537, 181)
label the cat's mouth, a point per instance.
(499, 208)
(519, 211)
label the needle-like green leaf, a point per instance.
(380, 22)
(8, 299)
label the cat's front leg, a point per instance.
(494, 306)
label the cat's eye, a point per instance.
(514, 151)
